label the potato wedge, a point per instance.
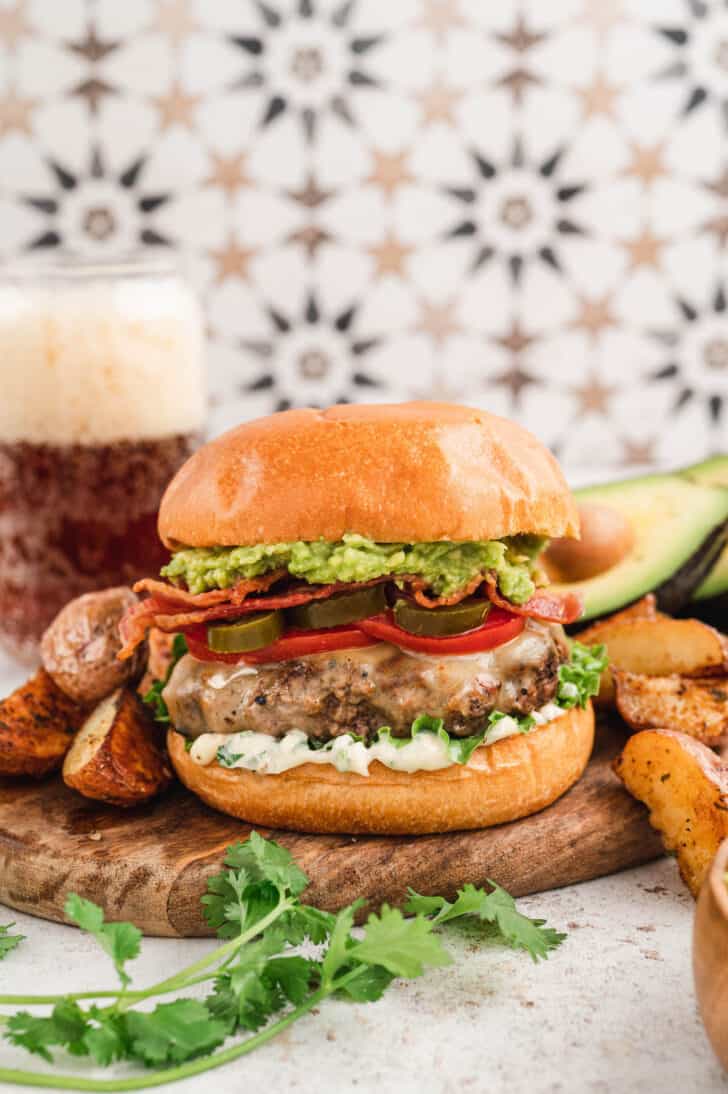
(645, 608)
(698, 707)
(116, 756)
(37, 724)
(685, 787)
(658, 646)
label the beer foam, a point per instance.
(97, 360)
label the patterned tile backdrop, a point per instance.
(522, 205)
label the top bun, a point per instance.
(407, 472)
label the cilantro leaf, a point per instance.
(121, 941)
(337, 952)
(260, 873)
(518, 930)
(8, 941)
(580, 676)
(369, 985)
(497, 908)
(153, 697)
(67, 1025)
(293, 975)
(402, 946)
(173, 1032)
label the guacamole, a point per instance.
(445, 566)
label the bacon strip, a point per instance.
(183, 599)
(542, 605)
(418, 584)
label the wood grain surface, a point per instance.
(150, 864)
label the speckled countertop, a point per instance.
(612, 1010)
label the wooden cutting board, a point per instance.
(150, 865)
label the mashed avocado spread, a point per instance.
(445, 566)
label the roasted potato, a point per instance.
(37, 724)
(685, 787)
(117, 756)
(80, 646)
(606, 538)
(698, 707)
(658, 646)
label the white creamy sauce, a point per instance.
(271, 756)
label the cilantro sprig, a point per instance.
(8, 941)
(258, 983)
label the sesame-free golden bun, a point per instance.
(501, 782)
(407, 472)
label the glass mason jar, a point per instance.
(102, 397)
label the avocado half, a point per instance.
(681, 530)
(712, 472)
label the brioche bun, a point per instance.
(411, 472)
(501, 782)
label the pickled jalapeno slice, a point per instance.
(253, 632)
(339, 609)
(441, 622)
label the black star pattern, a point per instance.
(528, 213)
(97, 217)
(313, 360)
(706, 76)
(308, 62)
(696, 351)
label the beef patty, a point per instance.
(361, 690)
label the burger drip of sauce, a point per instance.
(103, 400)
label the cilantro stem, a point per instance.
(112, 993)
(182, 1071)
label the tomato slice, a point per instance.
(293, 643)
(499, 628)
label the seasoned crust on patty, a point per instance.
(361, 690)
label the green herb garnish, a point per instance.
(580, 676)
(257, 982)
(8, 941)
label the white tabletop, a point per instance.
(612, 1010)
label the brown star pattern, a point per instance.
(16, 113)
(311, 237)
(720, 186)
(13, 24)
(718, 227)
(440, 17)
(515, 340)
(228, 173)
(438, 321)
(390, 171)
(603, 15)
(593, 396)
(647, 163)
(599, 96)
(595, 315)
(310, 195)
(175, 20)
(638, 453)
(644, 250)
(516, 380)
(390, 256)
(93, 91)
(177, 107)
(438, 101)
(517, 81)
(521, 38)
(92, 48)
(232, 260)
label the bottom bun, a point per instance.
(501, 782)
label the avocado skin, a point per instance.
(681, 528)
(712, 472)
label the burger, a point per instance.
(369, 645)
